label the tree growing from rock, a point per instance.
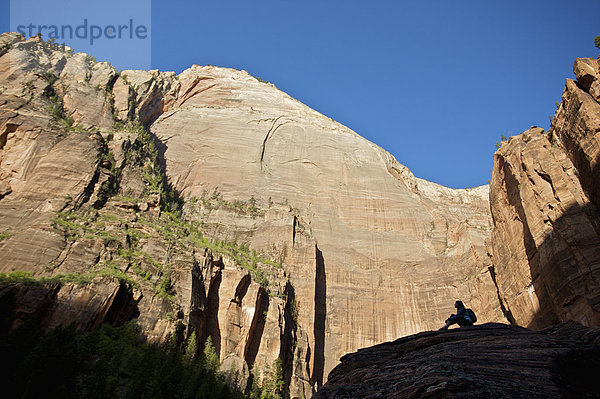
(211, 357)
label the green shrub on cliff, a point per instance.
(597, 41)
(211, 358)
(5, 235)
(498, 144)
(273, 385)
(27, 278)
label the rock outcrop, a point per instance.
(83, 212)
(485, 361)
(545, 204)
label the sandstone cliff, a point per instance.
(544, 199)
(298, 239)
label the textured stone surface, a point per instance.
(486, 361)
(544, 201)
(105, 300)
(577, 125)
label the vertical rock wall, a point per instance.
(545, 205)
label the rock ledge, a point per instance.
(485, 361)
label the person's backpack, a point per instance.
(469, 315)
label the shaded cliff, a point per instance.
(545, 205)
(484, 361)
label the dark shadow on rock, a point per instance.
(123, 307)
(320, 315)
(288, 336)
(576, 373)
(22, 302)
(257, 327)
(513, 193)
(483, 361)
(198, 302)
(211, 328)
(565, 269)
(162, 147)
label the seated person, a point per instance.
(463, 317)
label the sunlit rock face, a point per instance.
(369, 252)
(545, 204)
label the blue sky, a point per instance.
(435, 83)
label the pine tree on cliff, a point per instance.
(597, 41)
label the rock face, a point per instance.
(392, 249)
(301, 240)
(545, 204)
(486, 361)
